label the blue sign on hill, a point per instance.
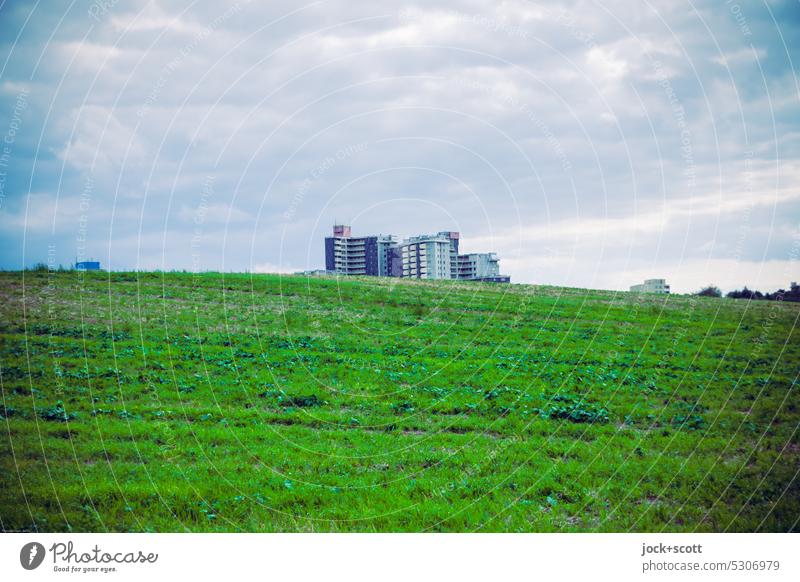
(88, 266)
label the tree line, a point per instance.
(792, 294)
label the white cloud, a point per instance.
(86, 56)
(605, 65)
(101, 142)
(153, 18)
(741, 56)
(213, 214)
(40, 212)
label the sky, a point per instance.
(589, 144)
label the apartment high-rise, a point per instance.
(364, 255)
(427, 257)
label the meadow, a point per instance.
(209, 402)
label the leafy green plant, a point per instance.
(7, 411)
(575, 409)
(57, 412)
(688, 416)
(298, 401)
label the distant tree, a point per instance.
(740, 294)
(746, 293)
(793, 294)
(710, 291)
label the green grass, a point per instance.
(173, 402)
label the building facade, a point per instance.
(427, 257)
(453, 237)
(651, 286)
(384, 244)
(395, 261)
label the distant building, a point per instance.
(428, 256)
(481, 267)
(497, 279)
(418, 257)
(382, 248)
(87, 265)
(315, 273)
(651, 286)
(365, 255)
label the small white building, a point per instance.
(651, 286)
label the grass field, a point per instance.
(173, 402)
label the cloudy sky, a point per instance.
(590, 144)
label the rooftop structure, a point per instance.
(341, 230)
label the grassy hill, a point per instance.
(167, 402)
